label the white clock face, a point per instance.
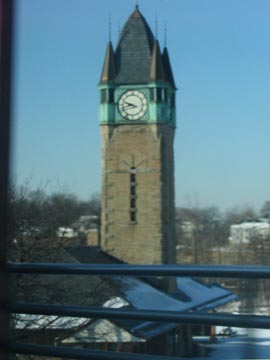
(132, 105)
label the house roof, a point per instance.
(120, 291)
(91, 255)
(102, 330)
(143, 296)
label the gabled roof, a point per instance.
(133, 52)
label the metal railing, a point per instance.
(225, 319)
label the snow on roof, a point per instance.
(251, 225)
(115, 303)
(140, 295)
(102, 331)
(144, 296)
(203, 295)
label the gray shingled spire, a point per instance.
(108, 71)
(156, 67)
(167, 68)
(133, 52)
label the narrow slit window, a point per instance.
(133, 185)
(152, 94)
(133, 216)
(103, 96)
(133, 203)
(165, 95)
(107, 96)
(159, 94)
(111, 96)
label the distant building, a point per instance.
(92, 237)
(244, 233)
(187, 230)
(65, 232)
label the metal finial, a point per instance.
(137, 5)
(156, 27)
(165, 34)
(110, 28)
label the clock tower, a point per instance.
(137, 122)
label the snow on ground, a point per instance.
(247, 344)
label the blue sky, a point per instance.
(220, 56)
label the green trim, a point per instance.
(161, 112)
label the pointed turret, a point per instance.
(133, 52)
(108, 71)
(156, 67)
(167, 68)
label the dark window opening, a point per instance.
(107, 95)
(133, 203)
(132, 178)
(165, 95)
(133, 190)
(133, 216)
(111, 96)
(159, 94)
(103, 94)
(132, 194)
(152, 94)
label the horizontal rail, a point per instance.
(220, 271)
(225, 319)
(63, 352)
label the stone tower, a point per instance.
(137, 122)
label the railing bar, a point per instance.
(217, 271)
(80, 354)
(225, 319)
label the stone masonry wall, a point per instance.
(148, 148)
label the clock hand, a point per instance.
(128, 105)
